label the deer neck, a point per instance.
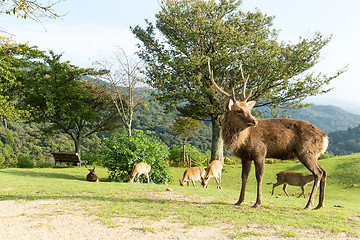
(234, 137)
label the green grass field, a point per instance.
(197, 206)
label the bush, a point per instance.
(326, 155)
(25, 162)
(124, 152)
(93, 158)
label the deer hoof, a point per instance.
(318, 207)
(238, 203)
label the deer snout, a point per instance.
(252, 122)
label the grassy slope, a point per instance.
(197, 206)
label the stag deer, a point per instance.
(294, 179)
(91, 177)
(213, 170)
(140, 168)
(253, 139)
(192, 174)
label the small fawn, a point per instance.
(139, 169)
(91, 177)
(213, 170)
(294, 179)
(192, 174)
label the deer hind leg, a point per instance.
(147, 176)
(284, 189)
(322, 188)
(246, 166)
(278, 183)
(318, 173)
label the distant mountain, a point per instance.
(327, 118)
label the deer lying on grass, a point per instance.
(253, 139)
(293, 179)
(192, 174)
(139, 169)
(91, 177)
(213, 170)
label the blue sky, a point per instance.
(91, 29)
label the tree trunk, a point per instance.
(184, 152)
(217, 145)
(77, 142)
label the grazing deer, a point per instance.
(91, 177)
(192, 174)
(213, 170)
(253, 139)
(140, 168)
(293, 179)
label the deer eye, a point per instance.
(239, 111)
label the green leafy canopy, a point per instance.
(192, 31)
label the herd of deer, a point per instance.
(253, 140)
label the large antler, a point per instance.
(211, 73)
(245, 98)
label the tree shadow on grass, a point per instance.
(44, 175)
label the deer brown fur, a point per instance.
(253, 140)
(213, 170)
(293, 179)
(139, 169)
(91, 177)
(192, 174)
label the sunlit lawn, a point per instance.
(197, 206)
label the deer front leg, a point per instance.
(302, 191)
(259, 172)
(246, 166)
(218, 181)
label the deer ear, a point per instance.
(230, 104)
(251, 104)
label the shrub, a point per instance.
(93, 158)
(326, 155)
(124, 152)
(25, 162)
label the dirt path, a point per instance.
(45, 219)
(53, 219)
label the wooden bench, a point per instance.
(68, 157)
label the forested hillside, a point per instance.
(345, 142)
(327, 118)
(20, 142)
(151, 117)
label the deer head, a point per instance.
(240, 110)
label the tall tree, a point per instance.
(186, 127)
(58, 94)
(34, 10)
(126, 85)
(193, 31)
